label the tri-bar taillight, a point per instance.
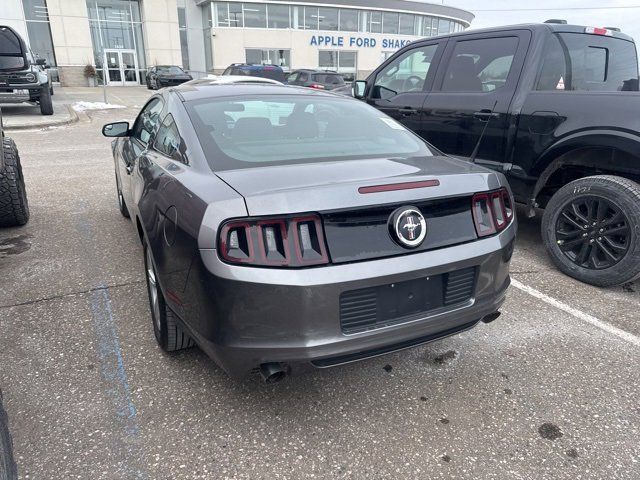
(288, 241)
(492, 211)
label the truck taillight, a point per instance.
(295, 241)
(492, 211)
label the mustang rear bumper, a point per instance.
(243, 317)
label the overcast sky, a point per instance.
(595, 13)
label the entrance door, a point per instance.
(122, 67)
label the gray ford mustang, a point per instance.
(286, 228)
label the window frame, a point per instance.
(524, 40)
(144, 145)
(431, 74)
(176, 156)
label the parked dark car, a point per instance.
(273, 72)
(23, 76)
(166, 76)
(559, 109)
(318, 79)
(288, 228)
(14, 208)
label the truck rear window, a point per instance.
(581, 62)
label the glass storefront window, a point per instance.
(256, 56)
(310, 18)
(115, 25)
(390, 23)
(278, 16)
(255, 15)
(345, 63)
(443, 27)
(328, 19)
(281, 16)
(35, 10)
(375, 22)
(407, 24)
(348, 20)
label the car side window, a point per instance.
(406, 73)
(304, 77)
(168, 140)
(147, 121)
(582, 62)
(293, 77)
(480, 65)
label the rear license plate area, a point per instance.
(385, 305)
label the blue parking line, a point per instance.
(113, 372)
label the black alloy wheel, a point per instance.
(593, 232)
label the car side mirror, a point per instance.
(359, 89)
(116, 129)
(41, 61)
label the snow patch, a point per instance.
(82, 106)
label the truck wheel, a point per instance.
(46, 105)
(169, 334)
(8, 468)
(591, 229)
(14, 208)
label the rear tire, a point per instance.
(46, 105)
(122, 206)
(591, 229)
(14, 208)
(8, 467)
(168, 331)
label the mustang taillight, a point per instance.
(295, 241)
(492, 211)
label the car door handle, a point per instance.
(484, 115)
(406, 111)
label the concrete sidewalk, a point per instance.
(26, 116)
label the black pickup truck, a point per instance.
(554, 107)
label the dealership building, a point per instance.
(122, 38)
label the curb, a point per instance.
(73, 118)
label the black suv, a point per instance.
(554, 107)
(318, 79)
(274, 72)
(23, 77)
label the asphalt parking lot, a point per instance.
(549, 390)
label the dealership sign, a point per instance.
(358, 42)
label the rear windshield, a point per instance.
(328, 78)
(260, 130)
(581, 62)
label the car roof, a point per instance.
(539, 27)
(197, 92)
(229, 79)
(255, 67)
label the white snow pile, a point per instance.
(82, 106)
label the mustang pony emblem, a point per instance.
(408, 227)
